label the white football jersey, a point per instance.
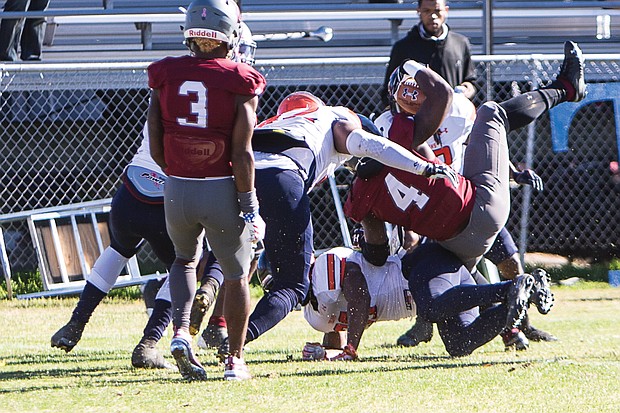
(315, 128)
(390, 298)
(143, 155)
(449, 143)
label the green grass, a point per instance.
(579, 373)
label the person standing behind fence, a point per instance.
(431, 42)
(26, 33)
(200, 121)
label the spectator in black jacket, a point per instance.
(432, 42)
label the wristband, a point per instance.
(248, 202)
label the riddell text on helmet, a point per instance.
(201, 33)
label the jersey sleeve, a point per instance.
(250, 81)
(156, 74)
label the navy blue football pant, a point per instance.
(285, 207)
(445, 293)
(133, 221)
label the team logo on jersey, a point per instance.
(153, 177)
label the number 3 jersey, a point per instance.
(430, 207)
(198, 111)
(390, 298)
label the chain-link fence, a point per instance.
(69, 130)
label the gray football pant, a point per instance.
(195, 208)
(486, 166)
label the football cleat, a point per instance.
(421, 331)
(514, 338)
(189, 367)
(572, 72)
(542, 297)
(313, 352)
(146, 356)
(68, 336)
(212, 336)
(518, 299)
(535, 334)
(236, 369)
(203, 300)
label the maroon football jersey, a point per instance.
(430, 207)
(197, 98)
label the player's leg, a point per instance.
(186, 233)
(569, 86)
(229, 238)
(153, 229)
(504, 254)
(285, 207)
(486, 165)
(125, 242)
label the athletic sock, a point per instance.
(89, 300)
(159, 320)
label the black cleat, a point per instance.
(212, 337)
(515, 338)
(535, 334)
(542, 297)
(68, 336)
(571, 72)
(518, 299)
(421, 331)
(146, 356)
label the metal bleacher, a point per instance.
(360, 28)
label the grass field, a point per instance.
(579, 373)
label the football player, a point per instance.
(294, 151)
(347, 295)
(448, 144)
(200, 120)
(466, 217)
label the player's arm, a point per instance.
(375, 248)
(437, 104)
(355, 290)
(242, 157)
(156, 130)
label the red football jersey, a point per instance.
(197, 98)
(430, 207)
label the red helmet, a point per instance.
(299, 100)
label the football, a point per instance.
(409, 97)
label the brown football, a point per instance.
(409, 96)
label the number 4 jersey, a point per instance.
(429, 207)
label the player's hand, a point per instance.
(435, 171)
(348, 353)
(313, 352)
(529, 177)
(256, 226)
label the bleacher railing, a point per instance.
(69, 130)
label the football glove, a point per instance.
(528, 177)
(436, 171)
(313, 352)
(256, 226)
(348, 353)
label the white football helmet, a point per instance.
(246, 48)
